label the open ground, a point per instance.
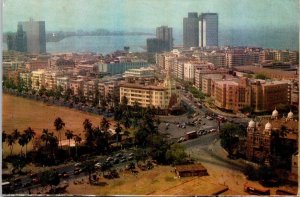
(20, 113)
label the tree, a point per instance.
(89, 167)
(261, 76)
(124, 101)
(77, 140)
(59, 125)
(50, 177)
(104, 124)
(16, 134)
(30, 135)
(4, 136)
(10, 142)
(101, 140)
(103, 103)
(229, 134)
(176, 154)
(46, 136)
(22, 141)
(118, 130)
(69, 134)
(89, 133)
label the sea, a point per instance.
(283, 39)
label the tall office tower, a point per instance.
(20, 40)
(35, 36)
(165, 34)
(208, 32)
(191, 30)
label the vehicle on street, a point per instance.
(77, 171)
(209, 118)
(190, 135)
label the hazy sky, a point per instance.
(147, 14)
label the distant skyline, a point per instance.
(144, 15)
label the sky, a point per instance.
(135, 15)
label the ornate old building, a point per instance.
(261, 135)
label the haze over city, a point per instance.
(133, 15)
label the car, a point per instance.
(35, 180)
(65, 175)
(181, 140)
(131, 154)
(130, 158)
(122, 160)
(98, 165)
(77, 171)
(77, 164)
(118, 155)
(209, 118)
(213, 130)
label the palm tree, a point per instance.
(22, 141)
(10, 141)
(104, 124)
(77, 140)
(46, 136)
(4, 136)
(59, 125)
(30, 135)
(87, 125)
(16, 134)
(69, 134)
(118, 130)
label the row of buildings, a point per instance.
(82, 74)
(228, 87)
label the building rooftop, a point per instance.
(190, 168)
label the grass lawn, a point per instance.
(19, 113)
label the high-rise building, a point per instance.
(191, 30)
(208, 29)
(165, 34)
(20, 40)
(163, 40)
(35, 35)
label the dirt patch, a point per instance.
(20, 113)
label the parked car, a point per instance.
(98, 165)
(77, 171)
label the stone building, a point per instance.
(260, 135)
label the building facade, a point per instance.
(191, 30)
(208, 30)
(35, 36)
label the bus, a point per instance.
(190, 135)
(251, 189)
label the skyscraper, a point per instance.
(165, 34)
(163, 40)
(191, 30)
(35, 36)
(208, 32)
(20, 40)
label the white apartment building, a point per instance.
(189, 72)
(37, 79)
